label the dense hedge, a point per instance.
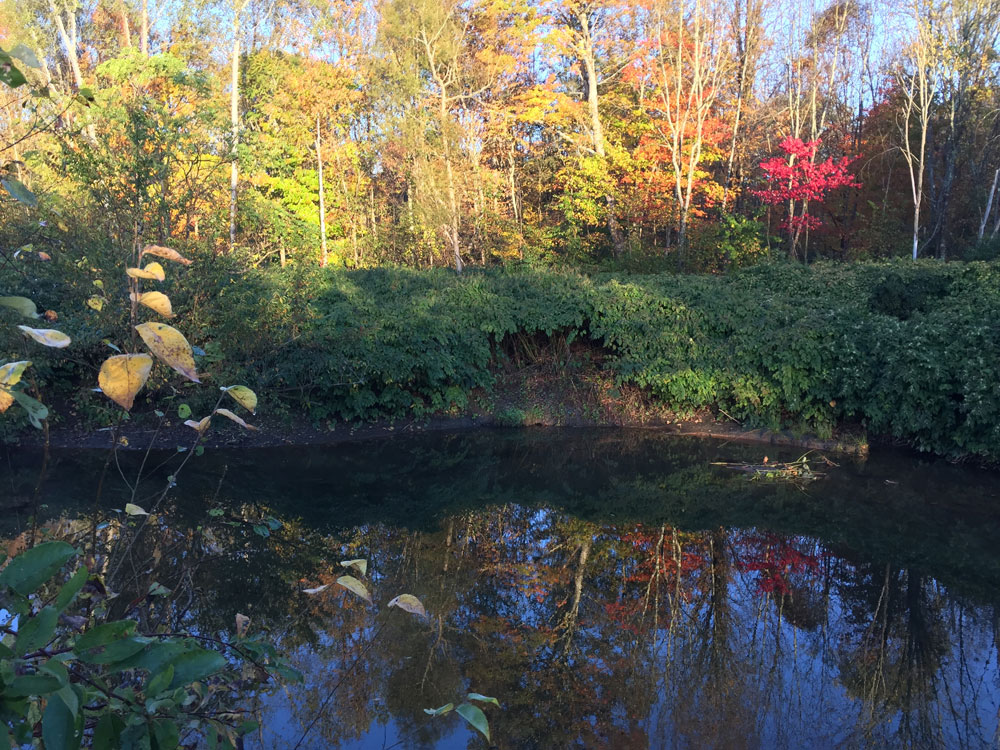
(908, 349)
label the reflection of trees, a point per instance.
(575, 582)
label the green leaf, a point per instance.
(29, 570)
(483, 699)
(36, 631)
(183, 411)
(37, 411)
(71, 588)
(32, 684)
(21, 305)
(105, 633)
(59, 726)
(26, 55)
(9, 72)
(441, 710)
(4, 739)
(18, 191)
(166, 735)
(109, 643)
(196, 665)
(159, 682)
(475, 716)
(108, 732)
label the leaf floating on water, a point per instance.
(235, 418)
(153, 271)
(123, 376)
(439, 711)
(475, 716)
(134, 510)
(20, 305)
(199, 426)
(359, 565)
(156, 301)
(409, 603)
(169, 346)
(243, 396)
(355, 586)
(166, 253)
(47, 336)
(316, 590)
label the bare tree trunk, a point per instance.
(234, 119)
(596, 129)
(322, 201)
(126, 31)
(144, 28)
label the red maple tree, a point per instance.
(797, 179)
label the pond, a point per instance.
(611, 588)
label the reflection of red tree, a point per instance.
(659, 557)
(776, 559)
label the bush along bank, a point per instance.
(909, 350)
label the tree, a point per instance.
(798, 180)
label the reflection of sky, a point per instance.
(774, 685)
(520, 505)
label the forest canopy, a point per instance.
(689, 134)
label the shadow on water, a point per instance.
(612, 588)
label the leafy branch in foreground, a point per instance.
(70, 678)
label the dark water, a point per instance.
(612, 589)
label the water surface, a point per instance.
(613, 589)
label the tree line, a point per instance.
(699, 134)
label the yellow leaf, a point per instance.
(134, 510)
(242, 623)
(360, 565)
(155, 301)
(243, 396)
(165, 252)
(47, 336)
(123, 376)
(409, 603)
(96, 302)
(169, 346)
(199, 426)
(152, 271)
(238, 420)
(10, 374)
(355, 586)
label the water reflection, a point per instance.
(614, 590)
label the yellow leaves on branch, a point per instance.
(239, 420)
(47, 336)
(156, 301)
(164, 252)
(243, 396)
(169, 346)
(123, 376)
(200, 426)
(10, 375)
(152, 271)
